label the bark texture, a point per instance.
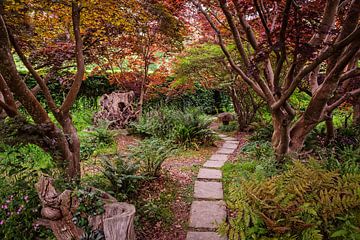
(116, 108)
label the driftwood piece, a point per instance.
(117, 221)
(57, 210)
(116, 108)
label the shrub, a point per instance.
(123, 175)
(102, 133)
(232, 126)
(150, 154)
(262, 132)
(188, 128)
(19, 169)
(193, 130)
(346, 160)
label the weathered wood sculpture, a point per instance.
(117, 108)
(117, 221)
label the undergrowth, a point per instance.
(189, 128)
(313, 200)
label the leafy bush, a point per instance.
(90, 204)
(262, 132)
(150, 154)
(346, 160)
(19, 169)
(303, 202)
(123, 175)
(258, 150)
(193, 130)
(102, 133)
(232, 126)
(188, 128)
(98, 141)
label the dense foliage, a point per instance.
(188, 128)
(299, 201)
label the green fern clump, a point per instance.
(189, 128)
(304, 201)
(123, 175)
(150, 154)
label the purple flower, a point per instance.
(4, 206)
(2, 222)
(26, 198)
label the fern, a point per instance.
(299, 201)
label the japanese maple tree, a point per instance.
(284, 45)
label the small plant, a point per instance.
(262, 132)
(93, 235)
(151, 153)
(193, 130)
(347, 160)
(90, 204)
(103, 134)
(122, 174)
(232, 126)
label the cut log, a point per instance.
(119, 221)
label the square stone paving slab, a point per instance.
(207, 214)
(233, 142)
(225, 151)
(230, 145)
(222, 136)
(206, 173)
(208, 190)
(230, 139)
(203, 236)
(219, 157)
(214, 164)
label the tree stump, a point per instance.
(117, 108)
(226, 117)
(117, 221)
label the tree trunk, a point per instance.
(356, 111)
(72, 148)
(281, 135)
(330, 130)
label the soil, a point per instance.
(178, 176)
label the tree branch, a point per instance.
(342, 99)
(253, 84)
(71, 96)
(329, 52)
(42, 84)
(282, 44)
(234, 31)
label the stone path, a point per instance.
(208, 208)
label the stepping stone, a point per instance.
(230, 139)
(208, 190)
(204, 236)
(222, 135)
(207, 214)
(230, 145)
(225, 151)
(205, 173)
(233, 142)
(214, 164)
(219, 157)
